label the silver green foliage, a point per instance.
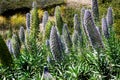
(55, 45)
(92, 32)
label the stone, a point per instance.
(15, 4)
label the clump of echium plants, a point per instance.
(86, 54)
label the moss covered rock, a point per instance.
(14, 4)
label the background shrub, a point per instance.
(67, 15)
(17, 20)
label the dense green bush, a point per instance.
(17, 20)
(67, 15)
(5, 56)
(9, 33)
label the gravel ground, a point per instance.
(77, 3)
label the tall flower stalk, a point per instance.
(66, 38)
(92, 32)
(78, 28)
(9, 45)
(22, 34)
(34, 21)
(109, 17)
(44, 21)
(82, 17)
(95, 10)
(75, 38)
(28, 19)
(58, 19)
(15, 45)
(55, 45)
(105, 31)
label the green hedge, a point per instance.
(5, 56)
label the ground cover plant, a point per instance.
(48, 51)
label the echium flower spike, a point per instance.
(48, 27)
(34, 4)
(60, 40)
(27, 38)
(5, 57)
(28, 20)
(22, 34)
(92, 32)
(75, 37)
(55, 45)
(95, 10)
(77, 24)
(84, 37)
(16, 46)
(58, 19)
(98, 29)
(109, 17)
(82, 16)
(66, 38)
(44, 20)
(78, 28)
(34, 24)
(9, 45)
(105, 31)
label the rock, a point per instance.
(15, 4)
